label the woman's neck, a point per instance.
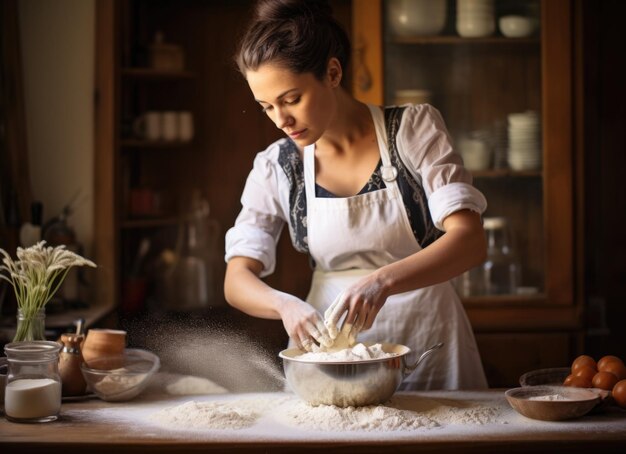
(351, 124)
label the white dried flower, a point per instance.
(38, 272)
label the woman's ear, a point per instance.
(334, 73)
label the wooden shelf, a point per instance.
(148, 223)
(148, 73)
(453, 39)
(505, 300)
(148, 144)
(506, 173)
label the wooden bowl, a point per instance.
(553, 403)
(553, 376)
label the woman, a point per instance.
(367, 192)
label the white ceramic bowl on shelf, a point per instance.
(416, 17)
(513, 26)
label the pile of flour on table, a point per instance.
(226, 414)
(358, 352)
(409, 413)
(400, 414)
(208, 415)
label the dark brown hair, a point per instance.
(300, 35)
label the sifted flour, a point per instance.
(116, 383)
(357, 353)
(422, 414)
(371, 418)
(183, 385)
(235, 414)
(549, 397)
(208, 415)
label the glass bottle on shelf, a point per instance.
(501, 270)
(500, 273)
(190, 281)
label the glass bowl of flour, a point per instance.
(122, 377)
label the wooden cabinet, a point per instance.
(230, 129)
(144, 187)
(476, 83)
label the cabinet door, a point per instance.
(507, 104)
(505, 358)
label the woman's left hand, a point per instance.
(361, 302)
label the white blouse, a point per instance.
(424, 146)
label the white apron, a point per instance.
(350, 237)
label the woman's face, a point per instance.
(299, 104)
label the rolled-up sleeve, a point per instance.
(423, 140)
(261, 219)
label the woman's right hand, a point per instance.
(304, 325)
(245, 290)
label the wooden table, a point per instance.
(93, 426)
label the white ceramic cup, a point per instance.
(185, 126)
(149, 126)
(476, 154)
(170, 125)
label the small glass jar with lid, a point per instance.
(33, 390)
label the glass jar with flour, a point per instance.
(33, 390)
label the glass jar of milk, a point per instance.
(33, 390)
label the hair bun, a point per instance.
(279, 10)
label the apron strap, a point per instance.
(388, 171)
(309, 172)
(381, 136)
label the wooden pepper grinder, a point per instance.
(70, 359)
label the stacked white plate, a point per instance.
(475, 18)
(524, 152)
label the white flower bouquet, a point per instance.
(35, 276)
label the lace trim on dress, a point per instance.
(413, 194)
(375, 183)
(290, 161)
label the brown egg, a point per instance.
(616, 368)
(608, 359)
(619, 393)
(604, 380)
(585, 372)
(578, 382)
(583, 360)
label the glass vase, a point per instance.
(30, 325)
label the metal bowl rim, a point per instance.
(387, 347)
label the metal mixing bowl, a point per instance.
(349, 383)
